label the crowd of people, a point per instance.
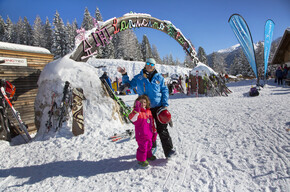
(282, 74)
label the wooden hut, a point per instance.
(282, 54)
(21, 65)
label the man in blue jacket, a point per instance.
(151, 83)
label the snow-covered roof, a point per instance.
(24, 48)
(202, 70)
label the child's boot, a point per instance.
(143, 163)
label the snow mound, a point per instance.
(79, 74)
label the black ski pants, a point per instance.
(162, 132)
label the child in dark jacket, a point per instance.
(145, 131)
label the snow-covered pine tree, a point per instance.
(244, 66)
(2, 28)
(259, 52)
(27, 31)
(59, 37)
(88, 22)
(71, 32)
(98, 15)
(146, 48)
(188, 62)
(170, 59)
(165, 60)
(8, 30)
(234, 66)
(155, 54)
(201, 55)
(48, 34)
(214, 61)
(18, 34)
(38, 33)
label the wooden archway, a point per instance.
(103, 35)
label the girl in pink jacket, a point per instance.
(145, 132)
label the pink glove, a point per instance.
(137, 106)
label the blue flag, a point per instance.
(242, 32)
(269, 29)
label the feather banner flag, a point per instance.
(242, 32)
(269, 29)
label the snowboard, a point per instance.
(77, 111)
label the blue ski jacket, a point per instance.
(156, 90)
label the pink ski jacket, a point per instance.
(144, 125)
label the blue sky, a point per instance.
(204, 22)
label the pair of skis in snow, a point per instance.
(72, 98)
(127, 135)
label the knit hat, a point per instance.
(151, 60)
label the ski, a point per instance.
(129, 133)
(65, 102)
(124, 109)
(51, 113)
(16, 114)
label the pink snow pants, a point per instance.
(144, 149)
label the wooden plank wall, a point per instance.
(25, 80)
(34, 60)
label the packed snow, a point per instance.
(234, 143)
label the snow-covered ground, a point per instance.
(234, 143)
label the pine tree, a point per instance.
(259, 53)
(38, 33)
(87, 23)
(234, 66)
(27, 30)
(59, 37)
(155, 54)
(98, 15)
(214, 61)
(18, 35)
(8, 30)
(170, 59)
(48, 34)
(2, 28)
(146, 48)
(188, 62)
(69, 37)
(201, 55)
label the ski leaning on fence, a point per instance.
(16, 114)
(77, 111)
(124, 109)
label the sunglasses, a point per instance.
(152, 64)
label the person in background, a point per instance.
(151, 83)
(279, 75)
(107, 78)
(145, 132)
